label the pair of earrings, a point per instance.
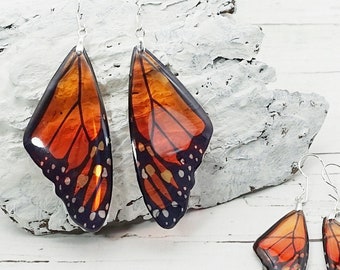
(285, 245)
(68, 137)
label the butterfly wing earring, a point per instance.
(68, 138)
(331, 228)
(169, 134)
(331, 242)
(285, 245)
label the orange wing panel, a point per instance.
(285, 245)
(157, 106)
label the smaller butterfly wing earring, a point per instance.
(331, 242)
(285, 245)
(68, 138)
(331, 228)
(169, 133)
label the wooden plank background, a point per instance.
(302, 41)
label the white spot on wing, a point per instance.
(67, 181)
(155, 213)
(174, 204)
(165, 213)
(144, 175)
(108, 161)
(104, 173)
(102, 213)
(92, 216)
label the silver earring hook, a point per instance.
(303, 197)
(325, 176)
(81, 30)
(140, 33)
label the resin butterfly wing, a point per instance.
(331, 243)
(169, 132)
(68, 138)
(285, 245)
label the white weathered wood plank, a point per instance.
(201, 257)
(301, 48)
(293, 12)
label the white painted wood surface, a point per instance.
(302, 42)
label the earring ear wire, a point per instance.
(140, 32)
(303, 197)
(81, 30)
(325, 176)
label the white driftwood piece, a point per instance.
(259, 133)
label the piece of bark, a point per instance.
(259, 133)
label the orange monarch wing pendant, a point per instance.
(68, 138)
(169, 133)
(285, 245)
(331, 243)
